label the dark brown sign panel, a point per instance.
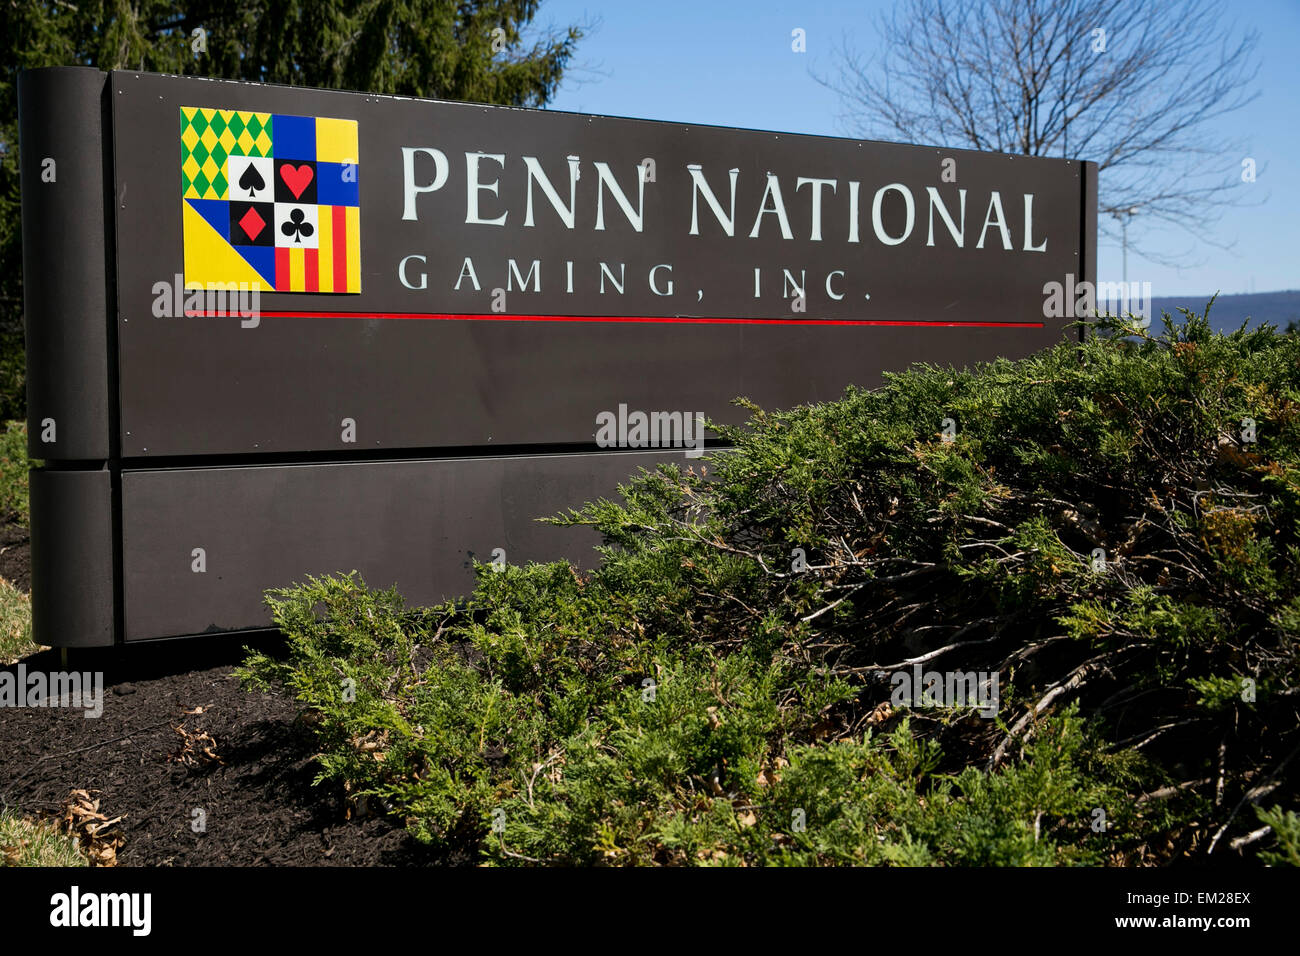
(520, 271)
(299, 278)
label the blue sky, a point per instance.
(730, 64)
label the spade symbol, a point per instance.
(252, 181)
(296, 227)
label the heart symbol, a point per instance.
(297, 179)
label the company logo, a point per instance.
(976, 689)
(270, 200)
(638, 429)
(21, 688)
(77, 909)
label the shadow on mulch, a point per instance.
(258, 804)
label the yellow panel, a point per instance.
(336, 140)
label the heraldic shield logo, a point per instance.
(270, 200)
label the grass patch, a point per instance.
(14, 465)
(15, 624)
(24, 842)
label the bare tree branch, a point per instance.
(1135, 87)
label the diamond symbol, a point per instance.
(252, 223)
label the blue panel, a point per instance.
(293, 137)
(332, 189)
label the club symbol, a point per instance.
(296, 227)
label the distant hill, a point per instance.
(1275, 308)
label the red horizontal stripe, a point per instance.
(690, 320)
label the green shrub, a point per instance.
(1106, 533)
(546, 724)
(1286, 833)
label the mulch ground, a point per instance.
(258, 801)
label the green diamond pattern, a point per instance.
(218, 152)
